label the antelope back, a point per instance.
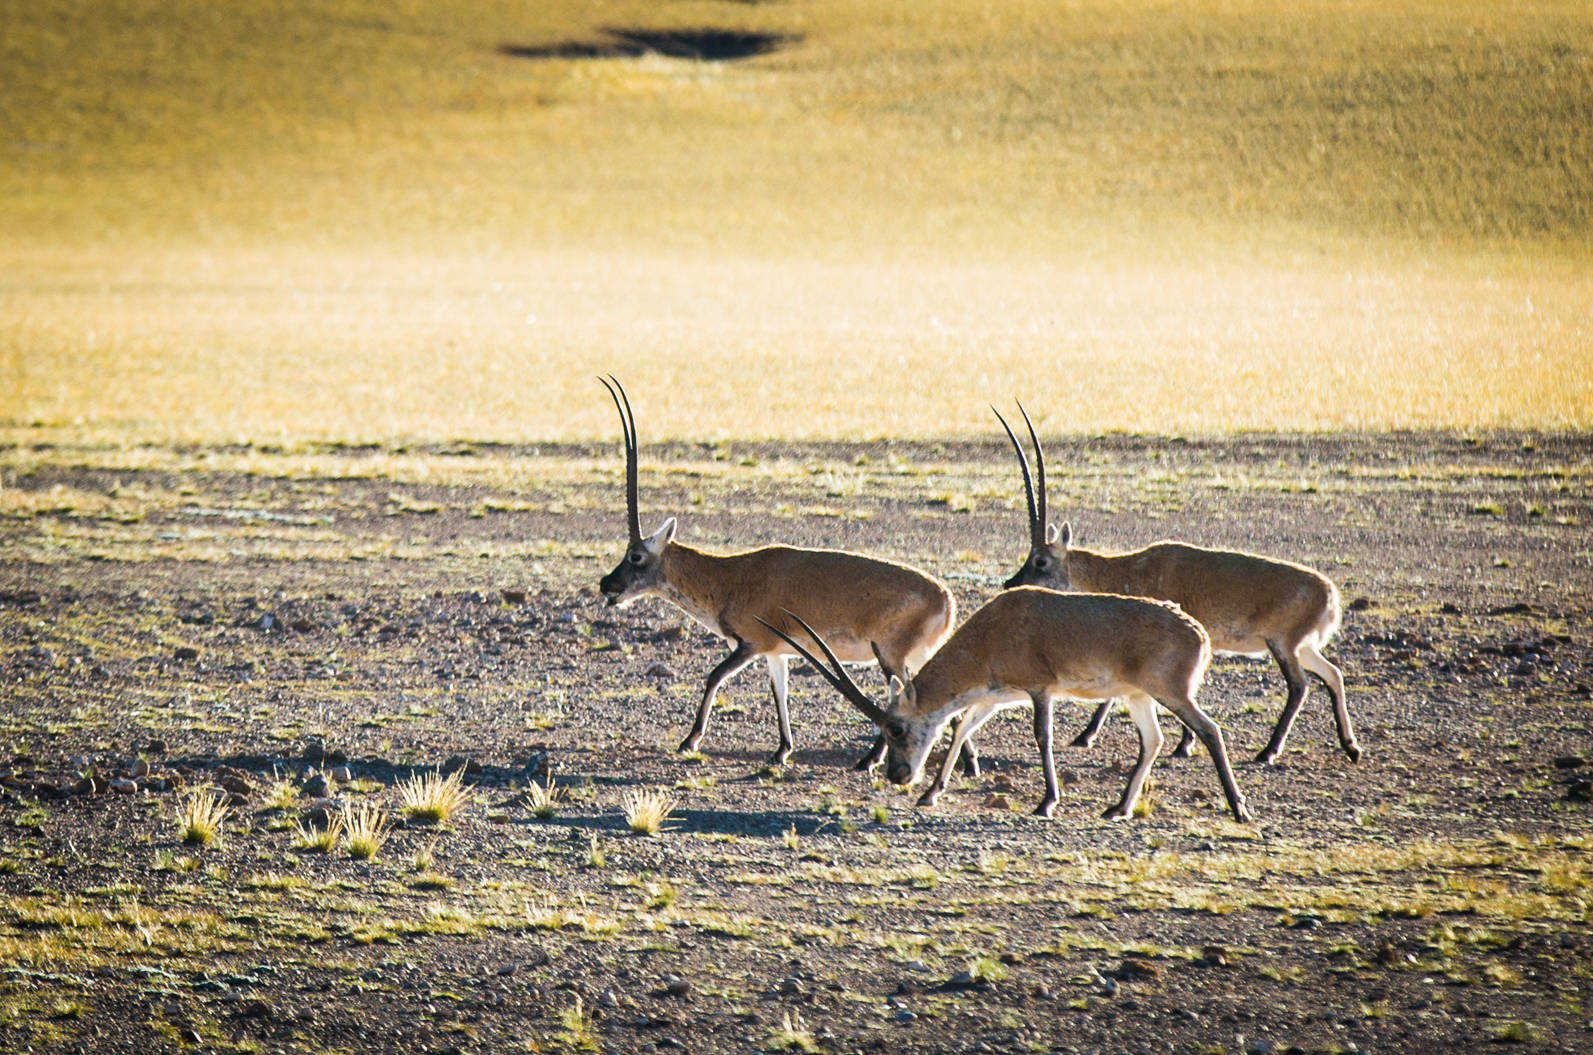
(1242, 599)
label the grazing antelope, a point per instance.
(875, 610)
(1249, 605)
(1032, 645)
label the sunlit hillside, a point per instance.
(363, 220)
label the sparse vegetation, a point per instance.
(432, 797)
(365, 829)
(646, 809)
(199, 822)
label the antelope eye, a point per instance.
(637, 557)
(896, 730)
(1042, 562)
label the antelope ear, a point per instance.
(1066, 535)
(896, 688)
(656, 542)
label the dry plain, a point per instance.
(248, 617)
(303, 469)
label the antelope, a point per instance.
(1249, 605)
(1032, 645)
(875, 610)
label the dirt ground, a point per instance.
(247, 619)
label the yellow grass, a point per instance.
(360, 220)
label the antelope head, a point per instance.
(908, 739)
(1047, 563)
(640, 572)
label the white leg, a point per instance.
(1315, 662)
(972, 719)
(778, 678)
(1143, 710)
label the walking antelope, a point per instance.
(1249, 605)
(875, 610)
(1029, 646)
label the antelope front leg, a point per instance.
(966, 724)
(777, 680)
(727, 668)
(1042, 739)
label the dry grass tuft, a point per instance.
(645, 810)
(433, 797)
(366, 828)
(320, 840)
(543, 799)
(201, 816)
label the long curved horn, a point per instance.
(1039, 472)
(1036, 526)
(838, 676)
(622, 403)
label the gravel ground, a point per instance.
(252, 620)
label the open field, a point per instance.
(239, 617)
(364, 220)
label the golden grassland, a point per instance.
(361, 220)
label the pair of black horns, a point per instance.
(1036, 496)
(622, 403)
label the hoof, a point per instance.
(1354, 751)
(778, 758)
(1117, 813)
(1243, 815)
(689, 744)
(970, 766)
(928, 798)
(1045, 809)
(865, 764)
(1082, 740)
(1267, 757)
(1182, 752)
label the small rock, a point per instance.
(607, 999)
(1003, 782)
(235, 784)
(657, 670)
(514, 596)
(185, 653)
(123, 787)
(1580, 791)
(458, 762)
(1306, 923)
(675, 985)
(1138, 970)
(139, 768)
(1213, 956)
(669, 1044)
(1011, 959)
(1360, 604)
(904, 1016)
(341, 774)
(1569, 762)
(266, 622)
(790, 987)
(508, 970)
(997, 801)
(1449, 608)
(155, 747)
(236, 801)
(1387, 955)
(317, 787)
(302, 626)
(535, 766)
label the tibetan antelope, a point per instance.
(875, 610)
(1249, 605)
(1029, 646)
